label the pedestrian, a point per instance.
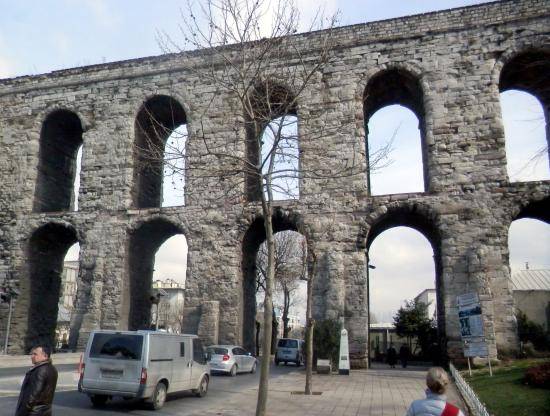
(404, 355)
(392, 356)
(435, 403)
(36, 396)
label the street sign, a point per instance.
(471, 325)
(476, 348)
(469, 316)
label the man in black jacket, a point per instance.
(38, 386)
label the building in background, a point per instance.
(531, 291)
(67, 301)
(428, 297)
(170, 306)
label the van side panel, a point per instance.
(160, 361)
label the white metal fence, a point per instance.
(469, 395)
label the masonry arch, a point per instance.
(60, 141)
(524, 73)
(275, 115)
(253, 238)
(45, 253)
(424, 221)
(394, 87)
(143, 243)
(158, 119)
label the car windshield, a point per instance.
(288, 343)
(216, 350)
(117, 346)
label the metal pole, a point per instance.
(8, 327)
(469, 368)
(369, 266)
(490, 368)
(157, 317)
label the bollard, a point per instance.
(343, 361)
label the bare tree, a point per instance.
(266, 71)
(289, 270)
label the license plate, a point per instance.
(111, 373)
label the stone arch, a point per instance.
(252, 239)
(270, 100)
(396, 85)
(41, 281)
(60, 139)
(424, 220)
(156, 119)
(144, 239)
(538, 209)
(525, 70)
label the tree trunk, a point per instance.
(310, 325)
(286, 307)
(268, 309)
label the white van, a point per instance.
(289, 350)
(142, 364)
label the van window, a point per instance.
(287, 343)
(117, 346)
(182, 349)
(198, 351)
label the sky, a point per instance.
(42, 36)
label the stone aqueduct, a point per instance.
(448, 67)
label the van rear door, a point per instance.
(114, 362)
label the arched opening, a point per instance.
(289, 297)
(392, 134)
(404, 271)
(144, 242)
(169, 284)
(272, 143)
(67, 297)
(76, 183)
(525, 100)
(46, 252)
(160, 140)
(529, 245)
(253, 238)
(60, 140)
(280, 137)
(405, 160)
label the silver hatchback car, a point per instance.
(230, 359)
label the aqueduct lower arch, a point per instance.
(469, 197)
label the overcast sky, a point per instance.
(46, 35)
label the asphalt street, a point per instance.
(223, 389)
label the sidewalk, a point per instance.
(375, 392)
(9, 361)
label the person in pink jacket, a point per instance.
(435, 403)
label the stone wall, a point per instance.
(453, 58)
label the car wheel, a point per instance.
(253, 369)
(98, 400)
(233, 371)
(159, 397)
(203, 387)
(276, 362)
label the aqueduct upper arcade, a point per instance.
(447, 67)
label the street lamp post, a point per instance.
(369, 266)
(8, 294)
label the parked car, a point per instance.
(142, 364)
(230, 359)
(289, 350)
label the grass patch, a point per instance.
(506, 393)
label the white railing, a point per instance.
(469, 395)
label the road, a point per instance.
(223, 390)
